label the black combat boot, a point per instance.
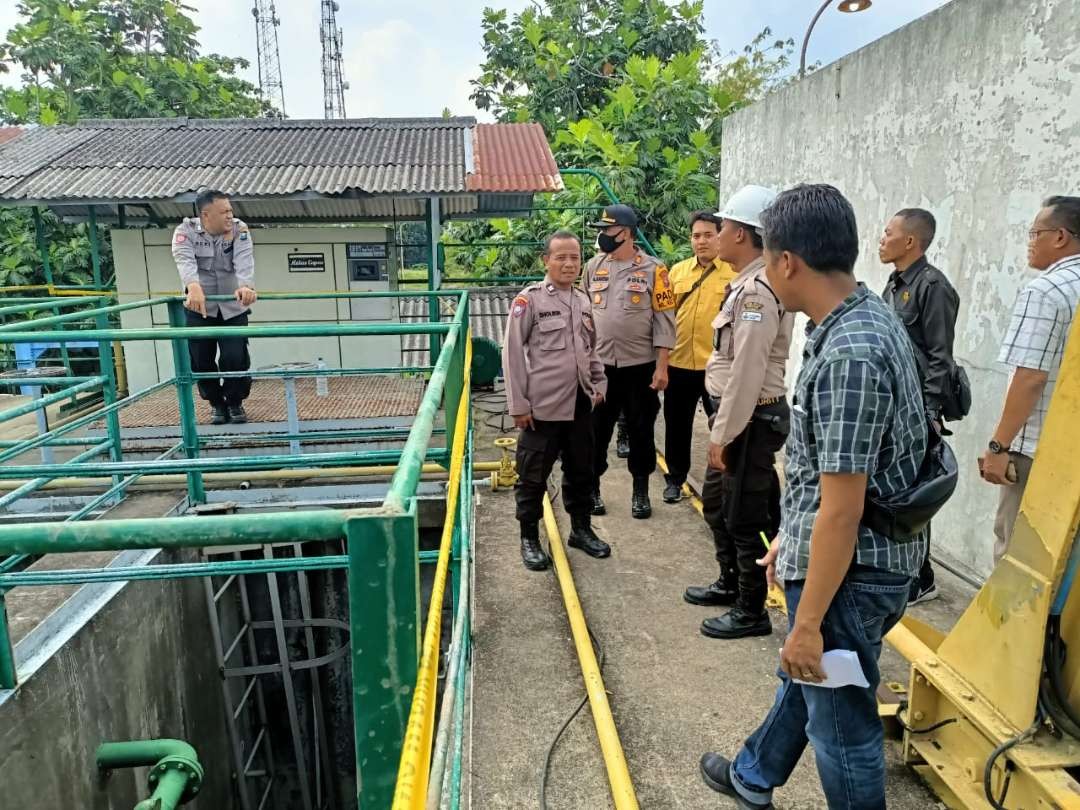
(716, 771)
(622, 441)
(219, 415)
(639, 501)
(532, 554)
(237, 414)
(717, 593)
(583, 537)
(598, 506)
(672, 490)
(737, 623)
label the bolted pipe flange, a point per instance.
(181, 764)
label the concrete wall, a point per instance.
(143, 667)
(972, 112)
(145, 269)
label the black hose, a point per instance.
(998, 802)
(1055, 698)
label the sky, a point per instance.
(416, 57)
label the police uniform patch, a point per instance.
(597, 298)
(753, 305)
(519, 305)
(751, 316)
(179, 238)
(663, 295)
(243, 236)
(636, 299)
(905, 296)
(602, 272)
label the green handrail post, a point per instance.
(189, 426)
(8, 678)
(95, 255)
(46, 266)
(384, 612)
(107, 368)
(175, 771)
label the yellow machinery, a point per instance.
(990, 702)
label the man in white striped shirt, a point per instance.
(1034, 345)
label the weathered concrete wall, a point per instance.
(142, 667)
(972, 112)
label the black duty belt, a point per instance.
(769, 400)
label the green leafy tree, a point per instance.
(104, 59)
(629, 88)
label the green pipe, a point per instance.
(189, 423)
(50, 399)
(127, 573)
(55, 471)
(611, 196)
(224, 464)
(403, 484)
(47, 303)
(83, 315)
(8, 677)
(195, 332)
(312, 435)
(75, 424)
(478, 280)
(315, 372)
(183, 532)
(175, 772)
(95, 250)
(43, 380)
(43, 248)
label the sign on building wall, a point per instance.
(307, 263)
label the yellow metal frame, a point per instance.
(985, 672)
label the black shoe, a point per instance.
(622, 444)
(672, 490)
(583, 537)
(218, 415)
(598, 507)
(716, 594)
(532, 554)
(737, 623)
(640, 507)
(716, 771)
(237, 414)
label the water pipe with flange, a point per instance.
(175, 773)
(506, 475)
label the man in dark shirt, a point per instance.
(927, 304)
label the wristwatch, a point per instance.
(996, 448)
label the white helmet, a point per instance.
(746, 204)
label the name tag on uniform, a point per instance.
(751, 316)
(634, 285)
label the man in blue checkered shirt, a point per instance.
(858, 428)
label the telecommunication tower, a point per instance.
(266, 42)
(333, 86)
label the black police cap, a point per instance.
(616, 215)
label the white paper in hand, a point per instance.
(841, 668)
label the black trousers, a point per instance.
(220, 354)
(744, 501)
(686, 388)
(537, 450)
(629, 392)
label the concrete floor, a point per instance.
(675, 694)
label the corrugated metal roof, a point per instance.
(512, 157)
(8, 133)
(489, 307)
(159, 160)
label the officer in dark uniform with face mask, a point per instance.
(214, 256)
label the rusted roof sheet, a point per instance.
(512, 157)
(157, 160)
(8, 133)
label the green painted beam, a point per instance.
(315, 372)
(84, 315)
(194, 332)
(62, 302)
(51, 399)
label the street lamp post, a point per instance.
(846, 6)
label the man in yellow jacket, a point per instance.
(699, 284)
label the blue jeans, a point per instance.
(842, 724)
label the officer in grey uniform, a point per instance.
(214, 256)
(554, 379)
(634, 306)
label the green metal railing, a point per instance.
(383, 555)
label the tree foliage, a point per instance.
(104, 59)
(629, 88)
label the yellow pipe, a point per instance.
(622, 788)
(264, 475)
(776, 593)
(410, 792)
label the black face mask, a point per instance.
(608, 243)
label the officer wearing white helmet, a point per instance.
(745, 375)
